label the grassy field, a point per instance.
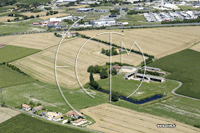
(176, 108)
(18, 26)
(196, 47)
(184, 67)
(41, 65)
(115, 119)
(126, 87)
(153, 41)
(25, 123)
(9, 77)
(50, 97)
(11, 53)
(7, 113)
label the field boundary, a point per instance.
(180, 84)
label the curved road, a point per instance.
(180, 84)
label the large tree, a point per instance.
(103, 74)
(91, 77)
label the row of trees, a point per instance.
(107, 52)
(108, 43)
(15, 68)
(7, 2)
(148, 72)
(51, 13)
(131, 12)
(119, 63)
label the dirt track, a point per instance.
(114, 119)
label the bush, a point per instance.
(8, 20)
(103, 74)
(115, 96)
(37, 16)
(32, 16)
(94, 85)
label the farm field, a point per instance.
(4, 19)
(9, 77)
(25, 123)
(36, 41)
(29, 2)
(41, 65)
(111, 119)
(49, 96)
(126, 87)
(6, 113)
(10, 53)
(34, 14)
(153, 41)
(196, 47)
(176, 108)
(187, 73)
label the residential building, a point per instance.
(37, 108)
(152, 69)
(74, 114)
(51, 114)
(79, 122)
(117, 67)
(58, 118)
(26, 107)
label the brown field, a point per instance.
(34, 14)
(54, 16)
(36, 41)
(79, 6)
(4, 19)
(114, 119)
(196, 47)
(41, 65)
(6, 113)
(154, 41)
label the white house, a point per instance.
(26, 107)
(58, 118)
(51, 114)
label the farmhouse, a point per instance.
(74, 114)
(117, 67)
(58, 118)
(149, 77)
(152, 69)
(37, 108)
(26, 107)
(128, 69)
(79, 122)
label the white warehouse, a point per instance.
(104, 22)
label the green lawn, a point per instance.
(9, 77)
(28, 124)
(185, 67)
(126, 87)
(11, 53)
(50, 97)
(4, 9)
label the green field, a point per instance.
(27, 124)
(184, 67)
(50, 97)
(126, 87)
(11, 53)
(19, 26)
(9, 77)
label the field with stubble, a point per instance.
(153, 41)
(196, 47)
(114, 119)
(36, 41)
(41, 65)
(6, 113)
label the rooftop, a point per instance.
(153, 68)
(26, 106)
(149, 76)
(59, 116)
(72, 112)
(38, 107)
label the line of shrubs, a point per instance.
(149, 72)
(15, 68)
(132, 50)
(119, 63)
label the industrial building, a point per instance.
(85, 9)
(149, 77)
(103, 22)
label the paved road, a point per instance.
(180, 84)
(156, 25)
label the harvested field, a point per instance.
(41, 65)
(114, 119)
(154, 41)
(4, 19)
(196, 47)
(54, 16)
(6, 113)
(36, 41)
(34, 14)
